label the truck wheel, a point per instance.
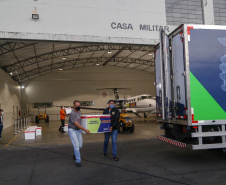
(122, 125)
(119, 129)
(47, 119)
(132, 128)
(36, 119)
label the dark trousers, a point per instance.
(114, 135)
(1, 128)
(62, 125)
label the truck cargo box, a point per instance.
(190, 66)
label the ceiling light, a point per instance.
(109, 52)
(11, 73)
(22, 87)
(35, 15)
(60, 69)
(64, 58)
(150, 54)
(97, 64)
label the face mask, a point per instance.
(2, 113)
(112, 106)
(77, 108)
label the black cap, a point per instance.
(1, 110)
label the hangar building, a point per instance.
(52, 51)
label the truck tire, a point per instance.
(47, 119)
(36, 119)
(122, 125)
(132, 128)
(119, 129)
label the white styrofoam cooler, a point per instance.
(29, 134)
(65, 127)
(38, 131)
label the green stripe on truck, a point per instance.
(205, 106)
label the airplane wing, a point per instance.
(94, 108)
(133, 112)
(91, 108)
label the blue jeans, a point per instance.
(114, 135)
(1, 127)
(76, 139)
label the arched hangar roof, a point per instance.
(26, 60)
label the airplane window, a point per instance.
(146, 97)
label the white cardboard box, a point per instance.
(32, 127)
(38, 131)
(65, 127)
(68, 110)
(29, 134)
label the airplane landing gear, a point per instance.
(145, 115)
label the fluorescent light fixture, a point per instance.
(35, 16)
(150, 54)
(22, 87)
(11, 73)
(64, 58)
(60, 69)
(109, 52)
(97, 64)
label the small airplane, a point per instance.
(140, 104)
(137, 104)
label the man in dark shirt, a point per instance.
(75, 131)
(1, 122)
(115, 114)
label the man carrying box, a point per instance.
(75, 131)
(115, 114)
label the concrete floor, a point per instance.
(51, 136)
(143, 160)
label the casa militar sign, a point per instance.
(142, 27)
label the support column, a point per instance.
(208, 12)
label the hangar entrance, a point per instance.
(33, 62)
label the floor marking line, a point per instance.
(14, 138)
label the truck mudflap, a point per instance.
(172, 142)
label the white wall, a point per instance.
(9, 96)
(84, 20)
(64, 87)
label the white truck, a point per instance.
(190, 66)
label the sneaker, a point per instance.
(78, 164)
(115, 158)
(104, 155)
